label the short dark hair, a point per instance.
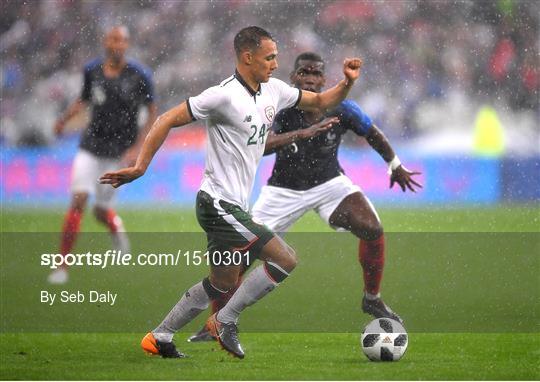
(307, 56)
(250, 38)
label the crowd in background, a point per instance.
(416, 53)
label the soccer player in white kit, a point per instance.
(238, 113)
(307, 176)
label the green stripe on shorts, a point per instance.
(228, 227)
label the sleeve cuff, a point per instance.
(299, 98)
(393, 164)
(189, 110)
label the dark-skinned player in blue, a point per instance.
(307, 176)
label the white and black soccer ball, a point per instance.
(384, 339)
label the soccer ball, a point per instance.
(384, 339)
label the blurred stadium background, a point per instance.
(453, 84)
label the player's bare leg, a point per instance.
(114, 223)
(279, 259)
(70, 230)
(356, 214)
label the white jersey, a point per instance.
(238, 121)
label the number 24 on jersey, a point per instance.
(258, 135)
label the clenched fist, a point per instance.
(351, 68)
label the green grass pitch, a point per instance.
(471, 303)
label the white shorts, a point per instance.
(279, 208)
(86, 170)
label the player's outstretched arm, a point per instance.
(177, 116)
(333, 96)
(75, 108)
(275, 141)
(398, 173)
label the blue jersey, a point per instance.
(115, 106)
(309, 163)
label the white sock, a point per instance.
(193, 302)
(257, 285)
(120, 238)
(370, 296)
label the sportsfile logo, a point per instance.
(112, 257)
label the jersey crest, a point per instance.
(98, 95)
(270, 113)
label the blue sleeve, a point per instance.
(86, 93)
(354, 118)
(146, 81)
(148, 88)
